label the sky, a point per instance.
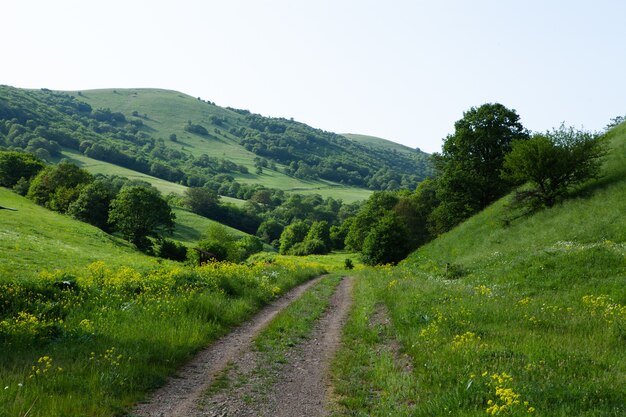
(401, 70)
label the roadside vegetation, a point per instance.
(499, 316)
(93, 341)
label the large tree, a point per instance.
(17, 165)
(471, 161)
(138, 212)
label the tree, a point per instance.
(552, 163)
(270, 230)
(471, 161)
(320, 231)
(57, 187)
(374, 209)
(201, 200)
(386, 242)
(17, 165)
(93, 203)
(139, 212)
(294, 233)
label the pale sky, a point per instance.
(401, 70)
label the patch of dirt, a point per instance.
(180, 396)
(380, 319)
(299, 387)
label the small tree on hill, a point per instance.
(552, 163)
(138, 212)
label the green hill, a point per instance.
(189, 141)
(381, 144)
(33, 239)
(500, 316)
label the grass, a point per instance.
(93, 342)
(168, 112)
(33, 239)
(503, 318)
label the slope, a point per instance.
(33, 239)
(500, 316)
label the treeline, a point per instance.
(489, 155)
(310, 153)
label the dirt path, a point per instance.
(297, 388)
(180, 396)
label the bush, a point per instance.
(169, 249)
(552, 163)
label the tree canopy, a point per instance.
(471, 161)
(139, 212)
(552, 163)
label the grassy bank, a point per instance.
(499, 316)
(93, 343)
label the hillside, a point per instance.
(33, 239)
(500, 316)
(380, 143)
(190, 141)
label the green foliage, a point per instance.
(294, 233)
(320, 231)
(169, 249)
(348, 264)
(17, 165)
(387, 242)
(197, 129)
(552, 163)
(471, 161)
(57, 187)
(270, 230)
(248, 245)
(374, 209)
(201, 201)
(138, 212)
(93, 203)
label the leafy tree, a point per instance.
(471, 161)
(373, 210)
(248, 245)
(294, 233)
(57, 187)
(552, 163)
(170, 249)
(270, 230)
(201, 200)
(320, 231)
(93, 203)
(139, 212)
(386, 243)
(17, 165)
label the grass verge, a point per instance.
(93, 343)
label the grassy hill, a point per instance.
(379, 143)
(186, 140)
(33, 239)
(516, 317)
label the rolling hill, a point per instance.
(190, 141)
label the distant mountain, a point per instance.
(189, 141)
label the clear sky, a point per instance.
(401, 70)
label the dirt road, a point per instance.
(296, 388)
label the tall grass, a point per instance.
(94, 342)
